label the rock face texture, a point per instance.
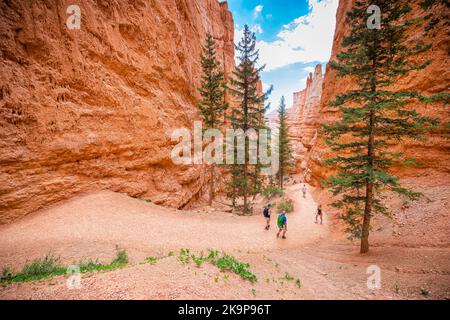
(434, 154)
(426, 222)
(303, 118)
(91, 109)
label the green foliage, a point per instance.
(227, 262)
(373, 116)
(285, 205)
(284, 147)
(212, 256)
(151, 260)
(48, 267)
(213, 86)
(272, 191)
(121, 257)
(288, 277)
(246, 177)
(198, 260)
(184, 256)
(41, 268)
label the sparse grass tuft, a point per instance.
(184, 256)
(121, 257)
(424, 292)
(151, 260)
(227, 262)
(48, 267)
(298, 282)
(198, 260)
(285, 205)
(288, 277)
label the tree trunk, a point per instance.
(369, 187)
(366, 222)
(370, 157)
(211, 184)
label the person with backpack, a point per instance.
(266, 213)
(282, 225)
(319, 213)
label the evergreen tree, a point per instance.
(249, 114)
(374, 115)
(212, 106)
(285, 150)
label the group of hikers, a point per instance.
(282, 220)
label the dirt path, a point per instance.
(91, 226)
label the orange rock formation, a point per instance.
(434, 154)
(91, 109)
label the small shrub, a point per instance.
(285, 205)
(288, 277)
(7, 275)
(298, 282)
(212, 256)
(230, 263)
(424, 292)
(198, 260)
(39, 269)
(272, 191)
(170, 254)
(121, 257)
(184, 256)
(151, 260)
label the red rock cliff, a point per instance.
(426, 222)
(435, 153)
(302, 118)
(89, 109)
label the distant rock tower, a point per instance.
(302, 118)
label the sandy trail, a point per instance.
(90, 226)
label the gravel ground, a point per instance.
(328, 267)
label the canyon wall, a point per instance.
(91, 109)
(427, 221)
(302, 119)
(434, 154)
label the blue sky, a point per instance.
(293, 36)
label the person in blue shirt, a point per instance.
(282, 225)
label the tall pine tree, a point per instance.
(374, 115)
(212, 106)
(249, 114)
(284, 149)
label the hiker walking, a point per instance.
(266, 213)
(304, 190)
(282, 225)
(319, 213)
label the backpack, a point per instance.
(281, 220)
(266, 212)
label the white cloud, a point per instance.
(257, 11)
(257, 29)
(307, 39)
(309, 69)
